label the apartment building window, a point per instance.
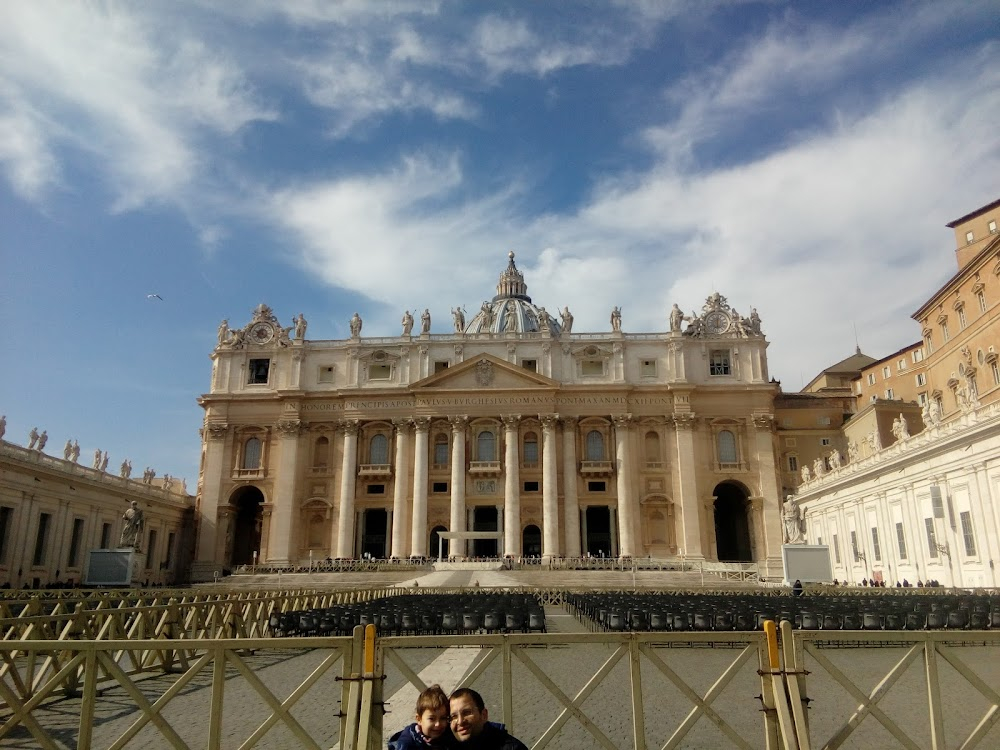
(921, 379)
(932, 549)
(968, 536)
(825, 441)
(901, 541)
(889, 394)
(929, 344)
(945, 335)
(855, 552)
(969, 238)
(901, 365)
(40, 538)
(793, 463)
(996, 372)
(718, 363)
(922, 398)
(962, 321)
(992, 226)
(886, 372)
(918, 355)
(876, 548)
(982, 300)
(871, 378)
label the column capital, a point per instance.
(622, 421)
(685, 420)
(216, 431)
(569, 423)
(511, 421)
(459, 422)
(549, 421)
(402, 424)
(289, 427)
(349, 427)
(763, 422)
(421, 424)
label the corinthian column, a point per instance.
(399, 488)
(626, 506)
(280, 538)
(418, 529)
(570, 501)
(550, 490)
(457, 547)
(348, 486)
(687, 483)
(215, 468)
(511, 487)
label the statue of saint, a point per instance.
(97, 458)
(224, 331)
(806, 474)
(487, 312)
(407, 323)
(356, 324)
(300, 326)
(126, 469)
(68, 450)
(510, 318)
(754, 321)
(791, 518)
(616, 319)
(544, 320)
(835, 459)
(567, 320)
(76, 451)
(3, 425)
(676, 318)
(458, 315)
(134, 523)
(42, 440)
(104, 461)
(425, 321)
(32, 438)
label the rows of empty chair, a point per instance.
(419, 614)
(729, 612)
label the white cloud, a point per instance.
(30, 165)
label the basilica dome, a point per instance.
(511, 309)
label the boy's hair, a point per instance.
(466, 692)
(432, 699)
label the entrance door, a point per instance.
(247, 526)
(732, 527)
(373, 536)
(531, 541)
(436, 543)
(598, 542)
(484, 518)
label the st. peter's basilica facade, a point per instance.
(565, 444)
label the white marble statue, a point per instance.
(853, 451)
(42, 440)
(3, 425)
(819, 467)
(407, 323)
(567, 320)
(224, 331)
(300, 324)
(32, 438)
(132, 528)
(105, 459)
(126, 469)
(356, 324)
(458, 317)
(791, 518)
(510, 318)
(835, 459)
(900, 428)
(806, 474)
(76, 451)
(616, 319)
(754, 321)
(676, 318)
(97, 458)
(425, 321)
(68, 450)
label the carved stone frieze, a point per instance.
(484, 373)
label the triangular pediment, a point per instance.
(484, 372)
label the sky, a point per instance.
(802, 158)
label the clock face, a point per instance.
(261, 333)
(717, 322)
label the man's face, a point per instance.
(467, 721)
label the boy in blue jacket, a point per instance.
(430, 730)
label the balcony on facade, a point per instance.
(596, 468)
(730, 467)
(321, 470)
(372, 471)
(484, 468)
(258, 473)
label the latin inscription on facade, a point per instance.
(351, 405)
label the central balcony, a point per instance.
(373, 471)
(596, 468)
(484, 468)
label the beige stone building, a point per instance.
(53, 511)
(602, 443)
(917, 496)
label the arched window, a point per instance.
(378, 449)
(595, 446)
(486, 446)
(251, 453)
(530, 448)
(727, 447)
(652, 446)
(440, 449)
(321, 453)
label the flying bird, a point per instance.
(157, 296)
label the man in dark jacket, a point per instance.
(471, 725)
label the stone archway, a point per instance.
(531, 541)
(732, 523)
(247, 502)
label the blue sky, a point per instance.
(322, 157)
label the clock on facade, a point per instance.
(717, 322)
(261, 333)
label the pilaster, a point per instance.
(571, 503)
(457, 548)
(348, 486)
(418, 528)
(511, 487)
(550, 489)
(623, 476)
(401, 475)
(284, 492)
(691, 545)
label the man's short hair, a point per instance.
(432, 699)
(469, 693)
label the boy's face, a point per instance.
(433, 722)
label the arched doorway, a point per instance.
(598, 520)
(375, 524)
(484, 518)
(531, 541)
(436, 543)
(732, 524)
(247, 526)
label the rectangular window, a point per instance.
(855, 552)
(995, 371)
(596, 487)
(936, 504)
(968, 536)
(836, 549)
(648, 368)
(793, 463)
(40, 538)
(530, 364)
(531, 486)
(530, 452)
(921, 378)
(969, 237)
(106, 536)
(886, 372)
(375, 489)
(590, 367)
(825, 441)
(922, 398)
(439, 487)
(379, 372)
(823, 421)
(962, 322)
(718, 362)
(440, 454)
(945, 334)
(74, 543)
(169, 562)
(325, 374)
(982, 301)
(871, 378)
(918, 355)
(151, 551)
(6, 515)
(900, 541)
(258, 371)
(888, 394)
(992, 226)
(440, 366)
(929, 345)
(876, 549)
(932, 550)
